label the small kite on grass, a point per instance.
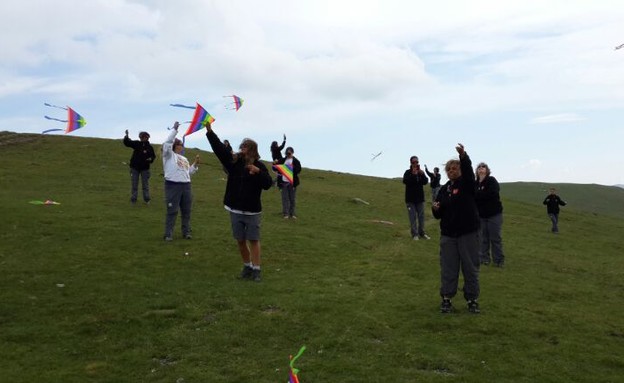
(286, 171)
(74, 120)
(292, 371)
(46, 202)
(235, 104)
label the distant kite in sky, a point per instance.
(375, 156)
(292, 371)
(201, 118)
(74, 120)
(235, 104)
(619, 47)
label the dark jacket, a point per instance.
(243, 190)
(488, 198)
(276, 152)
(458, 210)
(143, 154)
(552, 202)
(414, 183)
(435, 180)
(296, 170)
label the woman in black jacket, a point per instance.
(247, 177)
(289, 190)
(491, 216)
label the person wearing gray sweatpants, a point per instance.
(178, 195)
(456, 209)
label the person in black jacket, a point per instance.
(142, 157)
(247, 177)
(436, 177)
(414, 179)
(491, 216)
(456, 209)
(276, 150)
(289, 191)
(552, 202)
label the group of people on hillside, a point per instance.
(247, 177)
(471, 219)
(468, 205)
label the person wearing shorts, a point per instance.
(247, 177)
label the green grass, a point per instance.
(90, 292)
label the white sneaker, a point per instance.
(415, 238)
(425, 236)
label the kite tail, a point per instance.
(54, 106)
(51, 130)
(55, 119)
(182, 106)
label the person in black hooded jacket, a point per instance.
(142, 157)
(246, 179)
(491, 216)
(456, 209)
(289, 191)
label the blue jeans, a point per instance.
(416, 215)
(554, 218)
(134, 178)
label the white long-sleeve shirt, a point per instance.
(176, 167)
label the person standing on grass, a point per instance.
(456, 209)
(491, 216)
(247, 177)
(276, 150)
(414, 179)
(178, 195)
(436, 177)
(142, 157)
(289, 190)
(552, 202)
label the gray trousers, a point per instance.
(178, 196)
(416, 215)
(289, 194)
(434, 193)
(491, 229)
(455, 253)
(134, 179)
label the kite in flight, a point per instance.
(201, 118)
(619, 47)
(375, 156)
(235, 104)
(74, 120)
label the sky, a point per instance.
(533, 88)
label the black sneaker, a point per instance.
(473, 307)
(256, 275)
(446, 307)
(246, 272)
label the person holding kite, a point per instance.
(288, 180)
(456, 208)
(247, 177)
(142, 157)
(178, 194)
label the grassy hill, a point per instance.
(90, 292)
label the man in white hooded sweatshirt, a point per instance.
(178, 194)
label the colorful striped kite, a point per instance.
(286, 171)
(74, 120)
(292, 372)
(201, 118)
(236, 104)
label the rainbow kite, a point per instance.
(74, 120)
(286, 171)
(201, 118)
(292, 371)
(236, 104)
